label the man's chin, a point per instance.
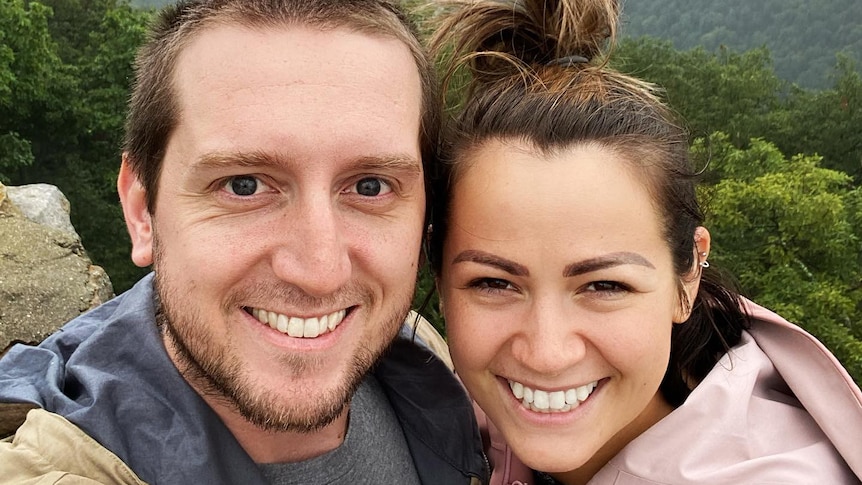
(272, 414)
(228, 378)
(297, 406)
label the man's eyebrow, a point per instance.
(488, 259)
(605, 261)
(391, 162)
(233, 159)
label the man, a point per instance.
(273, 176)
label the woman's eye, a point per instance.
(372, 187)
(605, 287)
(491, 284)
(245, 185)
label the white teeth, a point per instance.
(556, 400)
(584, 392)
(540, 400)
(324, 323)
(312, 328)
(282, 324)
(551, 401)
(295, 327)
(517, 389)
(300, 327)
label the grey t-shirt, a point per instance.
(374, 449)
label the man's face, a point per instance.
(289, 216)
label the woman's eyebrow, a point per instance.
(605, 261)
(488, 259)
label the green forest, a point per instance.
(803, 36)
(784, 161)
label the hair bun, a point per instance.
(496, 37)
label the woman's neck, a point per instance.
(657, 409)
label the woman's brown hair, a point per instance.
(537, 72)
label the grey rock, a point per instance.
(43, 204)
(46, 277)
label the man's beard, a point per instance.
(219, 373)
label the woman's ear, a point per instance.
(691, 281)
(701, 245)
(133, 197)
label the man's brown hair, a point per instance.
(153, 108)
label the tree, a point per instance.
(787, 229)
(728, 91)
(31, 80)
(76, 129)
(803, 35)
(105, 72)
(739, 94)
(824, 122)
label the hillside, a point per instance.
(802, 35)
(149, 3)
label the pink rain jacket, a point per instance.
(778, 408)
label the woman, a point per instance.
(572, 263)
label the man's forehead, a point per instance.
(314, 55)
(296, 38)
(271, 97)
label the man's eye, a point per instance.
(372, 187)
(244, 185)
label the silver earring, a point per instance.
(704, 263)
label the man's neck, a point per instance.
(281, 446)
(263, 446)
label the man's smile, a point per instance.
(297, 326)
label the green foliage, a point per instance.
(71, 24)
(788, 229)
(824, 122)
(15, 152)
(105, 70)
(65, 111)
(803, 35)
(29, 81)
(426, 300)
(728, 91)
(739, 94)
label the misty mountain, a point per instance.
(803, 36)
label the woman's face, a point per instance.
(559, 296)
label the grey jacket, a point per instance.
(107, 373)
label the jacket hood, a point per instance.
(778, 408)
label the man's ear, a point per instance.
(691, 281)
(133, 197)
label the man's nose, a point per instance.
(314, 251)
